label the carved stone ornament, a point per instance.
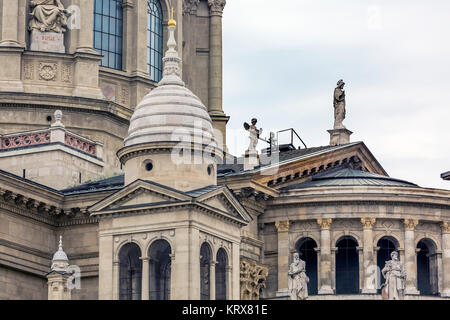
(217, 6)
(368, 222)
(190, 6)
(282, 226)
(410, 224)
(445, 226)
(325, 224)
(47, 71)
(252, 278)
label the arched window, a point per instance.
(205, 263)
(130, 272)
(385, 247)
(155, 39)
(427, 273)
(306, 249)
(221, 278)
(108, 30)
(160, 270)
(347, 267)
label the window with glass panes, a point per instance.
(108, 30)
(155, 39)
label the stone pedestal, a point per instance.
(339, 136)
(47, 42)
(57, 286)
(250, 160)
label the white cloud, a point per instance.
(282, 59)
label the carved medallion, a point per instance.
(47, 71)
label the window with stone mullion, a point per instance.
(154, 39)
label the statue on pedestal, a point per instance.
(339, 105)
(254, 135)
(298, 280)
(395, 275)
(48, 16)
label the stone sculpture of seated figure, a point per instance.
(48, 16)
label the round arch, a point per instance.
(221, 276)
(347, 265)
(123, 243)
(394, 238)
(427, 267)
(156, 238)
(306, 248)
(130, 271)
(347, 235)
(160, 267)
(205, 266)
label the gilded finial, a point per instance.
(172, 22)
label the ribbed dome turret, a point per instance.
(167, 118)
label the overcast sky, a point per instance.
(282, 60)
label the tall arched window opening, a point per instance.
(155, 39)
(221, 277)
(130, 272)
(427, 273)
(306, 247)
(385, 247)
(347, 267)
(160, 270)
(205, 263)
(108, 32)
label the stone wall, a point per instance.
(16, 285)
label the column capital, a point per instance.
(216, 7)
(445, 226)
(144, 258)
(368, 222)
(282, 226)
(325, 224)
(410, 224)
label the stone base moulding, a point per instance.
(339, 136)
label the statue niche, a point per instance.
(48, 23)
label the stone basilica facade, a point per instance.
(115, 181)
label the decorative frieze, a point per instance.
(325, 224)
(252, 279)
(47, 71)
(282, 226)
(66, 72)
(410, 224)
(368, 222)
(28, 70)
(217, 6)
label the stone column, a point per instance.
(325, 274)
(215, 68)
(445, 290)
(369, 264)
(85, 33)
(9, 21)
(410, 257)
(228, 279)
(115, 286)
(145, 278)
(212, 280)
(283, 256)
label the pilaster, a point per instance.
(325, 273)
(369, 263)
(410, 257)
(445, 289)
(283, 256)
(145, 278)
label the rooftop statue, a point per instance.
(254, 135)
(48, 16)
(339, 105)
(395, 275)
(298, 280)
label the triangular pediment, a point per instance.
(139, 193)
